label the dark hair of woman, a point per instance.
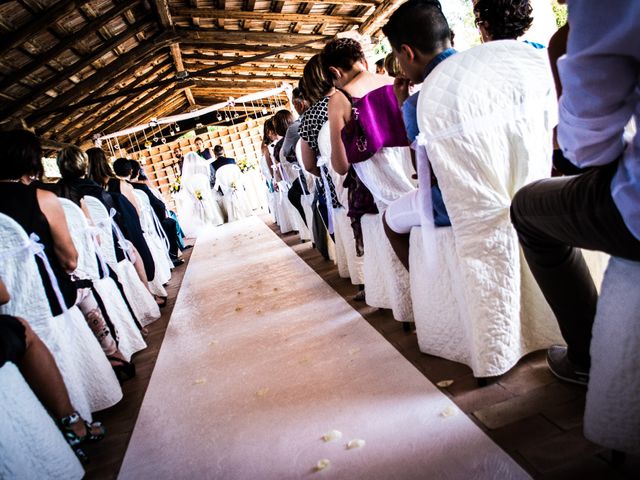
(281, 121)
(314, 83)
(135, 169)
(21, 155)
(504, 19)
(267, 128)
(341, 53)
(99, 169)
(72, 162)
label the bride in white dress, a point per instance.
(195, 204)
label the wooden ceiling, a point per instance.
(74, 68)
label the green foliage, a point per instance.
(560, 11)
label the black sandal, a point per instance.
(74, 440)
(124, 370)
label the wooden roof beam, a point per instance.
(217, 48)
(143, 109)
(167, 23)
(45, 18)
(379, 16)
(98, 115)
(52, 82)
(267, 16)
(104, 74)
(66, 42)
(264, 38)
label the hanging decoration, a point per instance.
(267, 94)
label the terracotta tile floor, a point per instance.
(527, 412)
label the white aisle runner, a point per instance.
(261, 358)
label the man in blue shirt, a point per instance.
(599, 209)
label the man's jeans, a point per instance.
(552, 217)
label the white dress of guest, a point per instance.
(195, 204)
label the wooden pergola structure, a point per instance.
(75, 68)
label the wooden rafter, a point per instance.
(109, 110)
(265, 38)
(66, 42)
(381, 13)
(72, 70)
(266, 16)
(167, 23)
(86, 86)
(47, 17)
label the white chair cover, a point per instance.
(307, 200)
(230, 180)
(385, 278)
(349, 264)
(142, 303)
(89, 378)
(486, 116)
(612, 413)
(256, 190)
(31, 445)
(158, 245)
(130, 340)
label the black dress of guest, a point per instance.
(20, 202)
(131, 228)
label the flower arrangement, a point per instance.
(244, 165)
(233, 186)
(198, 194)
(175, 186)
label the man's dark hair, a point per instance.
(198, 138)
(504, 19)
(218, 150)
(281, 121)
(122, 167)
(419, 24)
(341, 53)
(21, 154)
(296, 94)
(380, 63)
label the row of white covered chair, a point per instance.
(32, 444)
(470, 292)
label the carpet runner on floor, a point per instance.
(262, 358)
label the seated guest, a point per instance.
(288, 155)
(221, 160)
(102, 174)
(120, 184)
(599, 209)
(317, 90)
(376, 140)
(159, 208)
(39, 211)
(421, 39)
(292, 136)
(503, 19)
(282, 120)
(20, 345)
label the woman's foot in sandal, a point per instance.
(161, 301)
(78, 431)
